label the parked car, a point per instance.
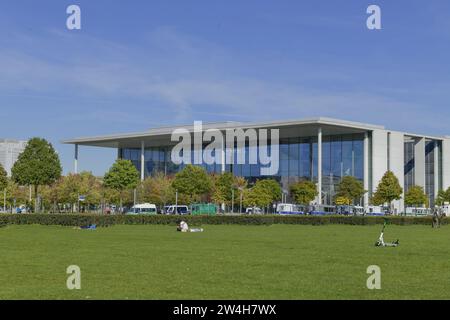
(350, 210)
(253, 210)
(21, 209)
(289, 208)
(322, 209)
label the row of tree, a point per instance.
(39, 169)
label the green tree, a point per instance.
(90, 188)
(157, 190)
(15, 194)
(257, 196)
(3, 184)
(443, 196)
(109, 196)
(38, 165)
(388, 190)
(3, 178)
(351, 189)
(122, 176)
(240, 183)
(68, 190)
(416, 197)
(272, 187)
(219, 196)
(51, 196)
(192, 181)
(342, 201)
(223, 187)
(304, 192)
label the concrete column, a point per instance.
(379, 156)
(319, 165)
(142, 160)
(419, 162)
(366, 168)
(446, 163)
(222, 159)
(436, 169)
(75, 164)
(222, 154)
(397, 164)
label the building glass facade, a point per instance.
(429, 170)
(342, 155)
(409, 164)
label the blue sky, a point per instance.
(139, 64)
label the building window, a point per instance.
(409, 164)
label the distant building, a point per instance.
(9, 152)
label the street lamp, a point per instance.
(232, 200)
(284, 195)
(176, 201)
(241, 189)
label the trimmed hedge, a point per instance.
(108, 220)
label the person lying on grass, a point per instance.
(183, 227)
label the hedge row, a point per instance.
(108, 220)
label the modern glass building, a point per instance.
(9, 152)
(322, 150)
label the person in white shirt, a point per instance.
(183, 227)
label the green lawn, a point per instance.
(224, 262)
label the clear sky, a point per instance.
(139, 64)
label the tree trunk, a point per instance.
(240, 204)
(36, 209)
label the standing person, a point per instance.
(436, 218)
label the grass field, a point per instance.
(224, 262)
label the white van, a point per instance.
(289, 208)
(415, 211)
(145, 208)
(374, 211)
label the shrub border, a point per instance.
(109, 220)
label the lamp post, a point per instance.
(4, 200)
(176, 201)
(241, 189)
(325, 196)
(232, 200)
(284, 196)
